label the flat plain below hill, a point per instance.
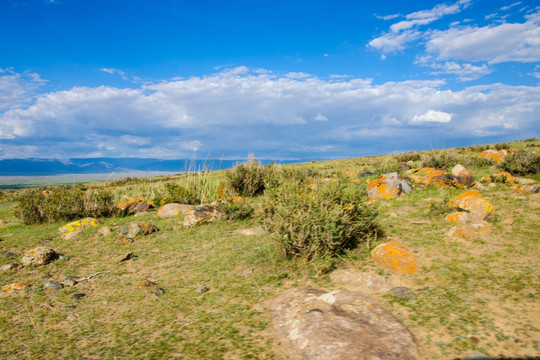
(204, 292)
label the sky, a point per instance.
(283, 80)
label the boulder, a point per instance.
(528, 189)
(202, 214)
(38, 256)
(462, 176)
(432, 177)
(388, 186)
(171, 210)
(135, 228)
(396, 256)
(133, 206)
(314, 324)
(499, 155)
(505, 177)
(105, 231)
(78, 226)
(474, 203)
(470, 231)
(459, 216)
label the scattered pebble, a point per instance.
(46, 240)
(402, 293)
(52, 285)
(202, 289)
(63, 257)
(159, 292)
(46, 276)
(78, 296)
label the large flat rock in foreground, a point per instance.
(315, 324)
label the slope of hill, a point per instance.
(204, 292)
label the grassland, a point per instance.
(478, 294)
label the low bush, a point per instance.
(37, 207)
(409, 156)
(325, 221)
(521, 163)
(251, 178)
(236, 210)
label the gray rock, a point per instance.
(202, 289)
(71, 280)
(356, 280)
(9, 266)
(38, 256)
(78, 296)
(7, 254)
(202, 214)
(52, 285)
(172, 210)
(105, 231)
(340, 325)
(135, 228)
(388, 186)
(478, 356)
(402, 293)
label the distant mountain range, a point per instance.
(40, 167)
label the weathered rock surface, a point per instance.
(388, 186)
(9, 266)
(498, 155)
(15, 286)
(135, 228)
(365, 282)
(344, 325)
(172, 210)
(474, 203)
(470, 231)
(38, 256)
(134, 206)
(463, 176)
(77, 227)
(432, 177)
(52, 285)
(202, 214)
(528, 189)
(105, 231)
(459, 216)
(396, 256)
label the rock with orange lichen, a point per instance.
(505, 177)
(351, 174)
(531, 189)
(396, 256)
(173, 209)
(388, 186)
(135, 228)
(38, 256)
(470, 231)
(459, 216)
(498, 155)
(16, 286)
(462, 176)
(474, 203)
(134, 206)
(431, 177)
(202, 214)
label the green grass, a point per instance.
(486, 289)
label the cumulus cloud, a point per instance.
(432, 116)
(17, 89)
(464, 71)
(236, 111)
(494, 44)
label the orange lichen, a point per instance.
(430, 177)
(126, 204)
(396, 256)
(350, 173)
(470, 199)
(505, 177)
(15, 286)
(382, 190)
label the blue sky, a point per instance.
(284, 80)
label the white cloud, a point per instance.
(113, 71)
(17, 89)
(504, 8)
(494, 44)
(432, 116)
(406, 31)
(386, 17)
(320, 117)
(233, 112)
(464, 71)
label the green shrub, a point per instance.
(64, 204)
(521, 163)
(409, 156)
(502, 146)
(182, 195)
(439, 160)
(251, 178)
(315, 223)
(238, 210)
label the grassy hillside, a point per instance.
(478, 293)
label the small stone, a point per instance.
(63, 257)
(78, 296)
(52, 285)
(135, 228)
(147, 283)
(159, 292)
(46, 240)
(9, 266)
(71, 280)
(46, 276)
(474, 340)
(126, 240)
(202, 289)
(251, 231)
(105, 231)
(402, 293)
(396, 256)
(38, 256)
(477, 356)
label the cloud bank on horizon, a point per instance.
(234, 110)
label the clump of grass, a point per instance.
(237, 210)
(409, 156)
(251, 178)
(175, 193)
(439, 160)
(315, 223)
(522, 163)
(36, 207)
